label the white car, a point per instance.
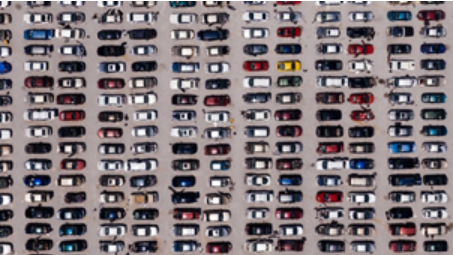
(219, 50)
(259, 196)
(286, 16)
(213, 117)
(6, 199)
(435, 213)
(257, 213)
(37, 197)
(216, 216)
(362, 197)
(402, 82)
(331, 213)
(327, 32)
(110, 165)
(112, 230)
(112, 197)
(71, 148)
(144, 50)
(37, 164)
(435, 32)
(259, 246)
(142, 17)
(399, 131)
(255, 33)
(71, 83)
(145, 131)
(359, 66)
(328, 180)
(142, 148)
(141, 165)
(111, 100)
(255, 16)
(258, 180)
(5, 51)
(332, 81)
(183, 18)
(72, 3)
(435, 147)
(257, 115)
(30, 66)
(6, 117)
(182, 34)
(291, 230)
(142, 99)
(72, 50)
(184, 132)
(363, 246)
(217, 133)
(218, 67)
(37, 18)
(38, 131)
(145, 230)
(40, 98)
(434, 197)
(329, 3)
(110, 3)
(6, 248)
(217, 231)
(402, 65)
(357, 214)
(184, 84)
(289, 147)
(40, 114)
(257, 82)
(329, 48)
(361, 16)
(145, 115)
(111, 67)
(5, 134)
(68, 33)
(332, 164)
(402, 196)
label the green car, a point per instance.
(289, 81)
(433, 114)
(434, 98)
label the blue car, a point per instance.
(288, 49)
(36, 180)
(434, 130)
(434, 98)
(5, 67)
(401, 147)
(405, 180)
(399, 15)
(220, 165)
(361, 164)
(183, 181)
(290, 180)
(38, 34)
(213, 35)
(181, 4)
(433, 48)
(184, 246)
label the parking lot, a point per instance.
(237, 124)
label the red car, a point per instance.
(288, 115)
(329, 197)
(256, 66)
(359, 49)
(288, 2)
(289, 131)
(362, 115)
(71, 99)
(220, 100)
(71, 115)
(219, 247)
(72, 164)
(289, 213)
(289, 32)
(109, 83)
(39, 82)
(403, 246)
(186, 214)
(408, 229)
(330, 148)
(290, 245)
(217, 149)
(289, 163)
(361, 98)
(431, 15)
(110, 133)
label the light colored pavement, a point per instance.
(164, 173)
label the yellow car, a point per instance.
(288, 66)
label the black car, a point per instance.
(331, 246)
(5, 100)
(38, 50)
(145, 214)
(435, 180)
(361, 82)
(400, 31)
(6, 84)
(71, 66)
(111, 51)
(213, 35)
(183, 115)
(143, 181)
(184, 99)
(258, 229)
(255, 49)
(6, 215)
(143, 247)
(183, 181)
(328, 115)
(109, 34)
(111, 180)
(288, 48)
(435, 163)
(403, 163)
(261, 97)
(75, 197)
(6, 182)
(39, 245)
(329, 131)
(73, 246)
(74, 131)
(329, 65)
(142, 34)
(110, 116)
(72, 230)
(39, 212)
(185, 197)
(217, 84)
(38, 148)
(399, 49)
(358, 32)
(38, 228)
(71, 82)
(5, 231)
(433, 64)
(363, 132)
(400, 213)
(112, 214)
(112, 148)
(184, 148)
(435, 246)
(144, 66)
